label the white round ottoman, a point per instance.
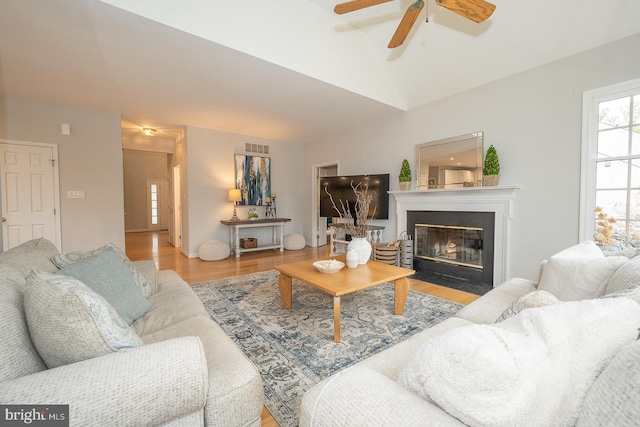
(294, 242)
(213, 250)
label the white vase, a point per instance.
(362, 247)
(352, 258)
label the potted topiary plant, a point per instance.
(491, 169)
(405, 175)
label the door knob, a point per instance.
(4, 219)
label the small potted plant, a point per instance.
(491, 168)
(405, 175)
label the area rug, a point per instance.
(294, 349)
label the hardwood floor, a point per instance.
(155, 246)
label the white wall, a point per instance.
(211, 175)
(534, 121)
(90, 160)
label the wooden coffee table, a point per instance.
(344, 282)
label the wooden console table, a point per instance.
(276, 241)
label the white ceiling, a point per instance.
(280, 69)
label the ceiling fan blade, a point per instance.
(350, 6)
(476, 10)
(405, 25)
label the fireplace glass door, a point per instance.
(450, 244)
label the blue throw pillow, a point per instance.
(106, 274)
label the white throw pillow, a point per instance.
(532, 369)
(579, 272)
(68, 322)
(531, 300)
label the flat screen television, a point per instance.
(340, 189)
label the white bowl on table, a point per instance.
(329, 266)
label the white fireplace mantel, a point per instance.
(498, 200)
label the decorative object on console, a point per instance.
(491, 169)
(405, 175)
(270, 211)
(253, 177)
(234, 196)
(252, 215)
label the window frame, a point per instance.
(589, 150)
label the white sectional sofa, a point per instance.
(563, 351)
(171, 366)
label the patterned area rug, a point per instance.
(294, 349)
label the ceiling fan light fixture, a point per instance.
(149, 131)
(475, 10)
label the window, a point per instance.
(153, 194)
(610, 190)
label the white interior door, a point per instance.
(30, 198)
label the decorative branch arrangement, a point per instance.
(363, 201)
(605, 228)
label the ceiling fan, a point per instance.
(475, 10)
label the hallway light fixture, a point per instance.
(149, 131)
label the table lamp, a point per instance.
(234, 196)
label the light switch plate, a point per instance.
(75, 194)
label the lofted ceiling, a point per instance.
(288, 70)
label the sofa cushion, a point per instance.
(68, 322)
(492, 304)
(149, 271)
(18, 356)
(541, 361)
(630, 293)
(34, 254)
(236, 395)
(173, 302)
(531, 300)
(579, 272)
(614, 398)
(106, 274)
(626, 277)
(63, 260)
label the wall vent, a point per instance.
(256, 148)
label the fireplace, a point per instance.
(487, 208)
(454, 243)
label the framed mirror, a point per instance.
(450, 163)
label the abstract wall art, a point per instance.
(253, 177)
